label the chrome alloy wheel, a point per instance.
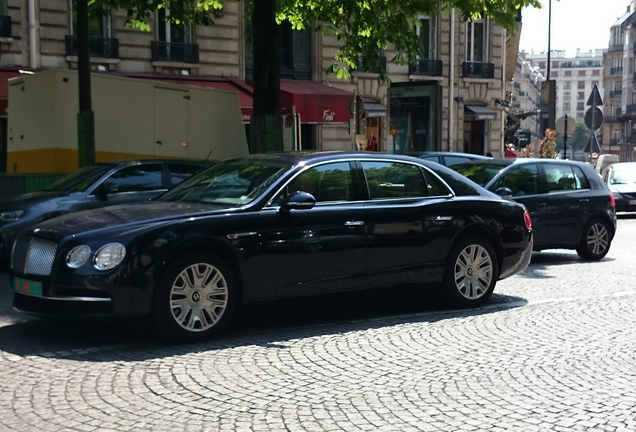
(597, 238)
(473, 272)
(198, 297)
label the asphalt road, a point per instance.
(553, 351)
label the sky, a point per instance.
(583, 24)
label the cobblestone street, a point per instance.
(553, 351)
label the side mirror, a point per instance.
(504, 192)
(106, 188)
(298, 201)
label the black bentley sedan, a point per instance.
(99, 185)
(570, 206)
(272, 226)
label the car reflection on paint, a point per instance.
(272, 226)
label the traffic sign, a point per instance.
(595, 97)
(560, 126)
(593, 118)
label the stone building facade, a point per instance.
(450, 100)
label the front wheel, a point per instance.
(595, 240)
(195, 299)
(471, 272)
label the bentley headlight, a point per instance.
(11, 216)
(78, 256)
(109, 256)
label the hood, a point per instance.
(126, 216)
(20, 202)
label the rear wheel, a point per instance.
(595, 240)
(195, 298)
(471, 272)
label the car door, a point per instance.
(527, 188)
(315, 250)
(567, 204)
(135, 183)
(409, 223)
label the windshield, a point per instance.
(235, 182)
(480, 174)
(623, 176)
(80, 180)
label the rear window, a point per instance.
(480, 174)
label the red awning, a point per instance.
(315, 102)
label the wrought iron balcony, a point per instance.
(616, 93)
(97, 46)
(360, 61)
(610, 119)
(5, 26)
(615, 47)
(614, 142)
(616, 70)
(426, 67)
(478, 70)
(175, 52)
(630, 109)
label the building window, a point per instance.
(170, 32)
(580, 85)
(427, 32)
(294, 51)
(581, 73)
(567, 85)
(580, 106)
(568, 73)
(596, 72)
(99, 23)
(566, 106)
(476, 41)
(566, 96)
(580, 95)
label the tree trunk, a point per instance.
(266, 127)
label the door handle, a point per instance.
(443, 218)
(354, 223)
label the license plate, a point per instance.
(632, 202)
(27, 287)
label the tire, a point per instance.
(471, 272)
(195, 298)
(596, 240)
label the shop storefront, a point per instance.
(414, 117)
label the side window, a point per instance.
(327, 183)
(394, 180)
(434, 186)
(180, 172)
(523, 180)
(560, 178)
(452, 160)
(580, 179)
(432, 158)
(137, 178)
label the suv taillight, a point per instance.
(612, 200)
(527, 219)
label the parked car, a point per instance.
(448, 158)
(271, 226)
(570, 206)
(620, 178)
(93, 186)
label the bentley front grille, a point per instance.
(33, 256)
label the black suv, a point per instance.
(93, 186)
(570, 206)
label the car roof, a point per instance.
(443, 153)
(125, 162)
(312, 156)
